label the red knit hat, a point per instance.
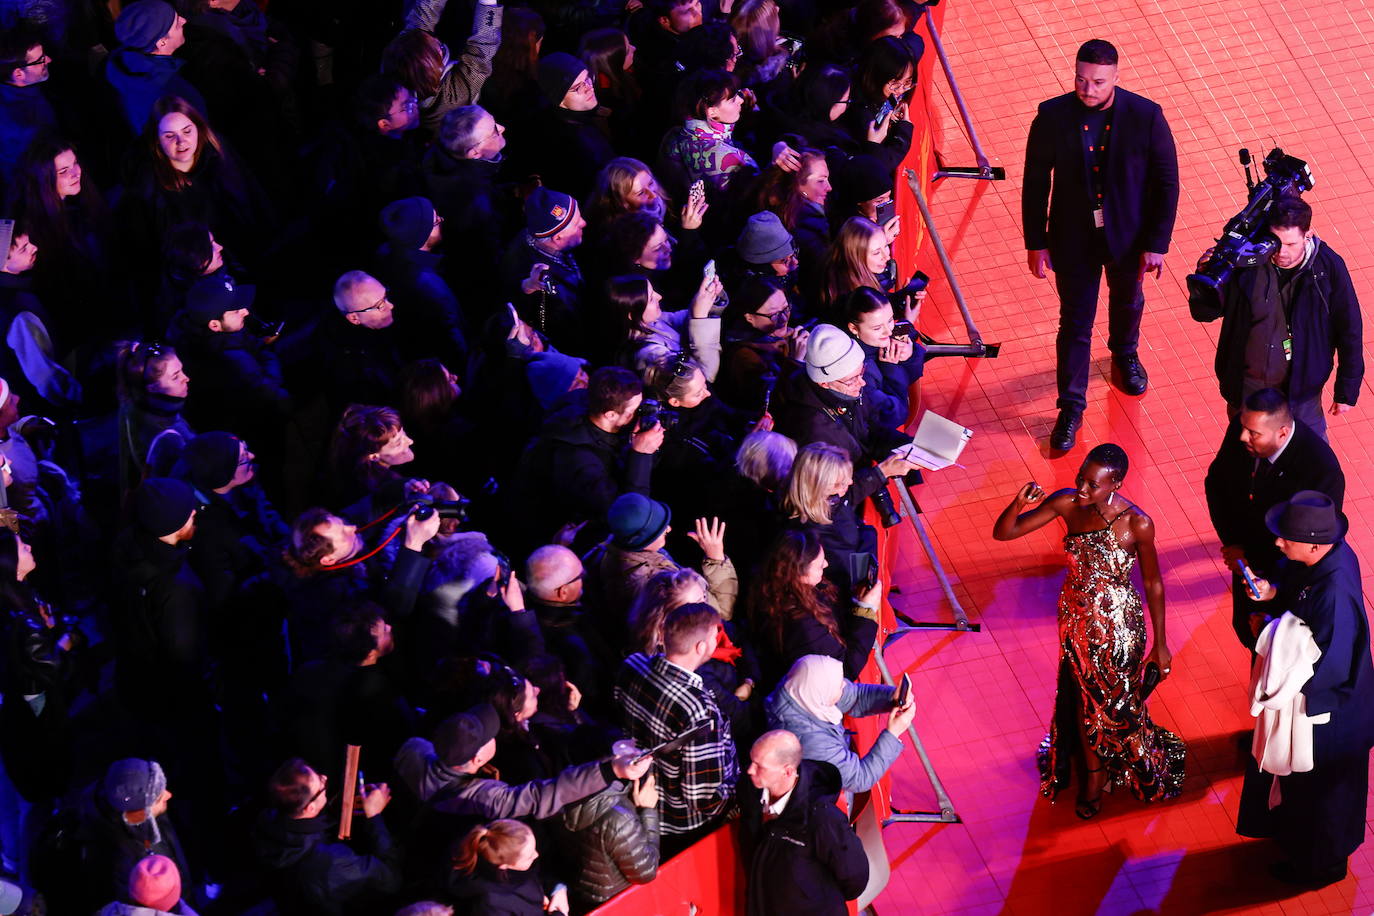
(155, 882)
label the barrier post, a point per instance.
(985, 170)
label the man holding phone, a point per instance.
(1266, 458)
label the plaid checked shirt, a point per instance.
(661, 701)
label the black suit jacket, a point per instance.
(1308, 463)
(1141, 182)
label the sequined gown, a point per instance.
(1102, 644)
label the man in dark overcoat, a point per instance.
(1319, 819)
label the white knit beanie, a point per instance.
(831, 354)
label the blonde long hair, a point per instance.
(818, 469)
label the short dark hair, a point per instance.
(1110, 456)
(1272, 403)
(289, 788)
(684, 626)
(626, 236)
(187, 251)
(307, 546)
(374, 99)
(662, 8)
(1290, 211)
(14, 47)
(702, 90)
(351, 632)
(1097, 51)
(610, 388)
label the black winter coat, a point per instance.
(1325, 324)
(490, 891)
(479, 215)
(558, 315)
(363, 365)
(238, 539)
(808, 636)
(807, 416)
(429, 320)
(111, 848)
(572, 147)
(616, 842)
(314, 599)
(807, 861)
(159, 618)
(574, 471)
(36, 746)
(237, 380)
(1238, 498)
(313, 873)
(221, 194)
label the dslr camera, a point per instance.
(1246, 239)
(425, 505)
(651, 413)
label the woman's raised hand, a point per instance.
(1030, 494)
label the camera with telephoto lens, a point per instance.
(887, 510)
(1246, 240)
(651, 413)
(424, 506)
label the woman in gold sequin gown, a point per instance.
(1100, 720)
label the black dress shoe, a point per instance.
(1065, 431)
(1129, 375)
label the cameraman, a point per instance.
(1284, 322)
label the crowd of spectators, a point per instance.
(482, 386)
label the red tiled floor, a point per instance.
(1228, 75)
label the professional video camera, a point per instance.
(1246, 240)
(424, 506)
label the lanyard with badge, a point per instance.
(1095, 153)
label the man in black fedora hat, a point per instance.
(1319, 819)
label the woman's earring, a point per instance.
(1111, 496)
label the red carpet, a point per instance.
(1228, 75)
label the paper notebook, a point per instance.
(937, 444)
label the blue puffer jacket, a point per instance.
(141, 79)
(830, 743)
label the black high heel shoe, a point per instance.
(1088, 808)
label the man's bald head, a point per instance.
(774, 761)
(554, 574)
(780, 747)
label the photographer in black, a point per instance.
(585, 457)
(1285, 320)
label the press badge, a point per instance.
(1098, 221)
(1288, 349)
